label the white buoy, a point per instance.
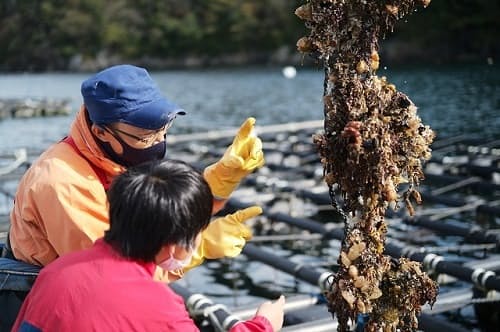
(289, 72)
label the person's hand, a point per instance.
(273, 311)
(242, 157)
(225, 236)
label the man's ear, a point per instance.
(99, 132)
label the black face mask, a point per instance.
(132, 156)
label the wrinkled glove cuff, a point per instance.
(220, 185)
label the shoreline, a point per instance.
(394, 53)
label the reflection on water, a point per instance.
(452, 100)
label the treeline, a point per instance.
(451, 31)
(38, 35)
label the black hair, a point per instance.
(155, 204)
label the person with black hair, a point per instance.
(157, 212)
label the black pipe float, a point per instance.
(483, 171)
(201, 307)
(474, 234)
(491, 263)
(481, 278)
(488, 209)
(320, 278)
(300, 271)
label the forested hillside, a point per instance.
(38, 35)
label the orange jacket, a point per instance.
(61, 205)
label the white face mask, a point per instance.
(172, 264)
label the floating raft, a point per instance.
(29, 108)
(455, 233)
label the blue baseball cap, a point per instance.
(127, 94)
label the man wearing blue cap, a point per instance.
(61, 206)
(61, 203)
(123, 101)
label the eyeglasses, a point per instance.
(146, 140)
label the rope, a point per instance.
(455, 185)
(446, 212)
(461, 248)
(21, 156)
(266, 238)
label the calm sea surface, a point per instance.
(452, 100)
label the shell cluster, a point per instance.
(373, 141)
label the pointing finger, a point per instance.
(245, 129)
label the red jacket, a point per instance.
(98, 290)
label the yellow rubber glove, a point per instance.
(241, 158)
(225, 236)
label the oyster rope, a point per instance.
(373, 141)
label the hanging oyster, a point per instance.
(373, 141)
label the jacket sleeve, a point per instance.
(64, 208)
(256, 324)
(73, 216)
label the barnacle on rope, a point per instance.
(373, 141)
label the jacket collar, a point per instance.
(88, 147)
